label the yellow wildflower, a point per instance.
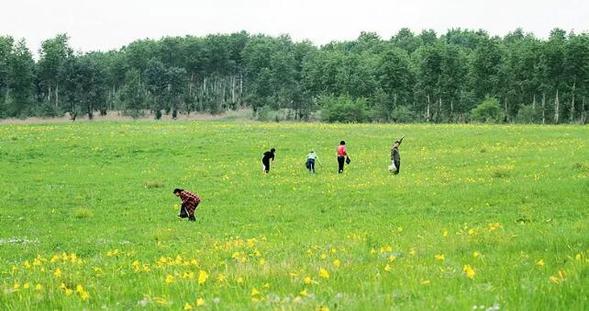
(200, 302)
(440, 257)
(170, 279)
(323, 273)
(38, 287)
(386, 249)
(304, 293)
(469, 271)
(540, 263)
(494, 226)
(308, 280)
(202, 277)
(57, 273)
(187, 306)
(188, 275)
(476, 254)
(337, 263)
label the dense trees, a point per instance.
(459, 76)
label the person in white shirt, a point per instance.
(311, 159)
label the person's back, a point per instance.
(395, 167)
(268, 155)
(311, 158)
(342, 153)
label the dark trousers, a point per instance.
(398, 165)
(266, 166)
(340, 164)
(311, 165)
(187, 210)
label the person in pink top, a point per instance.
(342, 156)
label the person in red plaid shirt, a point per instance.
(190, 202)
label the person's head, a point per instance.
(396, 143)
(342, 142)
(177, 191)
(272, 150)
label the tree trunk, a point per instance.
(57, 95)
(451, 110)
(49, 95)
(544, 108)
(583, 116)
(506, 119)
(427, 115)
(439, 110)
(572, 116)
(556, 107)
(240, 88)
(233, 90)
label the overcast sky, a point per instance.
(110, 24)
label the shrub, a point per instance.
(488, 111)
(343, 109)
(402, 114)
(526, 114)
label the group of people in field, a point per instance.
(190, 201)
(342, 158)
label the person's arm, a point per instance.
(401, 140)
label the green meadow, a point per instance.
(481, 217)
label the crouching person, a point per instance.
(190, 203)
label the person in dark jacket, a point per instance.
(395, 167)
(190, 203)
(268, 155)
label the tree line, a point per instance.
(460, 76)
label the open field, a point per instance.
(481, 217)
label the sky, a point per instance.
(110, 24)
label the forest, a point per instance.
(458, 77)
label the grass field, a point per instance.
(480, 218)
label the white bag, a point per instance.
(392, 167)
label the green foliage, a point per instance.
(527, 114)
(488, 111)
(438, 77)
(343, 109)
(402, 114)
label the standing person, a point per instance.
(266, 159)
(342, 156)
(190, 203)
(395, 167)
(311, 159)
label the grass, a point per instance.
(481, 217)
